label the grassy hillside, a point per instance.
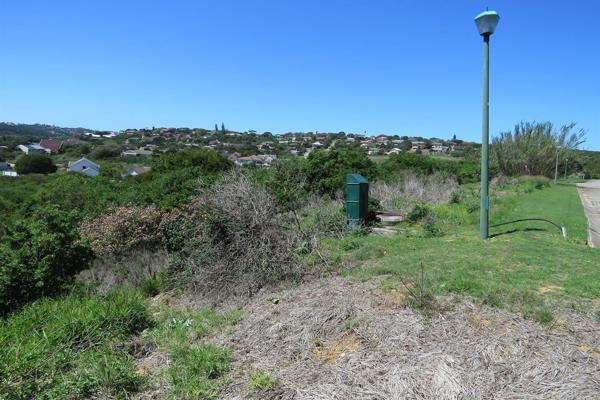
(526, 266)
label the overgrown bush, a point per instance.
(323, 217)
(209, 161)
(40, 256)
(397, 165)
(123, 230)
(105, 151)
(242, 243)
(34, 164)
(326, 170)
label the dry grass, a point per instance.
(112, 272)
(432, 189)
(336, 339)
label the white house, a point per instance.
(33, 148)
(84, 166)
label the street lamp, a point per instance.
(486, 25)
(556, 167)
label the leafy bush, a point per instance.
(123, 230)
(209, 161)
(39, 257)
(418, 213)
(326, 170)
(34, 164)
(103, 152)
(463, 171)
(65, 348)
(286, 180)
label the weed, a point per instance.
(418, 213)
(196, 371)
(420, 295)
(261, 380)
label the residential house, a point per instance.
(257, 160)
(138, 152)
(6, 169)
(439, 147)
(32, 148)
(249, 160)
(417, 145)
(85, 167)
(51, 145)
(135, 171)
(394, 151)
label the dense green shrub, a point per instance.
(34, 164)
(326, 170)
(103, 152)
(70, 348)
(463, 171)
(209, 161)
(39, 257)
(286, 180)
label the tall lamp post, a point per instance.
(486, 25)
(556, 166)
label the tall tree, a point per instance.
(222, 127)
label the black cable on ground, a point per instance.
(562, 229)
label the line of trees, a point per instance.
(530, 149)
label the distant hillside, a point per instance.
(9, 128)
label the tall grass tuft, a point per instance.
(69, 348)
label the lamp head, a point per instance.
(486, 22)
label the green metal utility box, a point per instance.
(357, 200)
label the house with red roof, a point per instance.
(52, 145)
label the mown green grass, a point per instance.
(510, 269)
(71, 348)
(198, 369)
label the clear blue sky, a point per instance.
(405, 67)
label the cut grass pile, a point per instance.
(197, 369)
(513, 269)
(71, 348)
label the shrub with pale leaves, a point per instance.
(122, 230)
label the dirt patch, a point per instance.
(333, 351)
(395, 297)
(371, 350)
(550, 289)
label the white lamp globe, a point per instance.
(486, 22)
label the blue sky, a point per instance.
(405, 67)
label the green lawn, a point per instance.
(528, 266)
